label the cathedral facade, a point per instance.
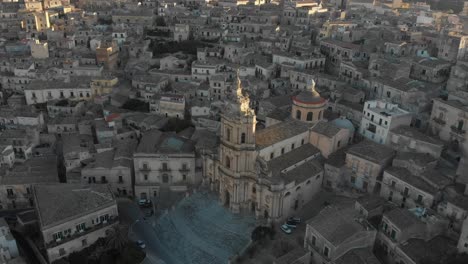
(271, 172)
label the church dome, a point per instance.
(342, 122)
(309, 96)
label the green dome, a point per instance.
(344, 123)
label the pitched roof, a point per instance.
(336, 225)
(371, 151)
(58, 203)
(402, 218)
(326, 128)
(413, 180)
(279, 132)
(155, 141)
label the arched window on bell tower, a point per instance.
(228, 162)
(310, 116)
(242, 138)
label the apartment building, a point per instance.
(79, 216)
(379, 117)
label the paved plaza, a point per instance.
(200, 230)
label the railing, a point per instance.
(184, 170)
(457, 130)
(86, 231)
(145, 169)
(439, 121)
(164, 169)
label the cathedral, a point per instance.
(271, 172)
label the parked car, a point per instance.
(295, 220)
(286, 229)
(291, 224)
(144, 203)
(141, 244)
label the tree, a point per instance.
(136, 105)
(117, 238)
(160, 22)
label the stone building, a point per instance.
(271, 172)
(379, 117)
(327, 245)
(163, 161)
(80, 215)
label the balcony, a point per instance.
(184, 170)
(112, 220)
(145, 168)
(164, 169)
(457, 130)
(11, 195)
(438, 121)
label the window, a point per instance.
(302, 142)
(84, 242)
(353, 179)
(80, 227)
(146, 177)
(120, 179)
(228, 134)
(228, 162)
(272, 155)
(393, 234)
(61, 251)
(292, 146)
(282, 151)
(393, 184)
(339, 143)
(314, 240)
(389, 94)
(184, 177)
(310, 116)
(326, 251)
(243, 138)
(164, 166)
(298, 114)
(420, 198)
(58, 236)
(406, 191)
(165, 178)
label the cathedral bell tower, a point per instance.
(237, 153)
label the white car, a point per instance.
(141, 244)
(286, 229)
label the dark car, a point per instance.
(294, 220)
(291, 224)
(144, 203)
